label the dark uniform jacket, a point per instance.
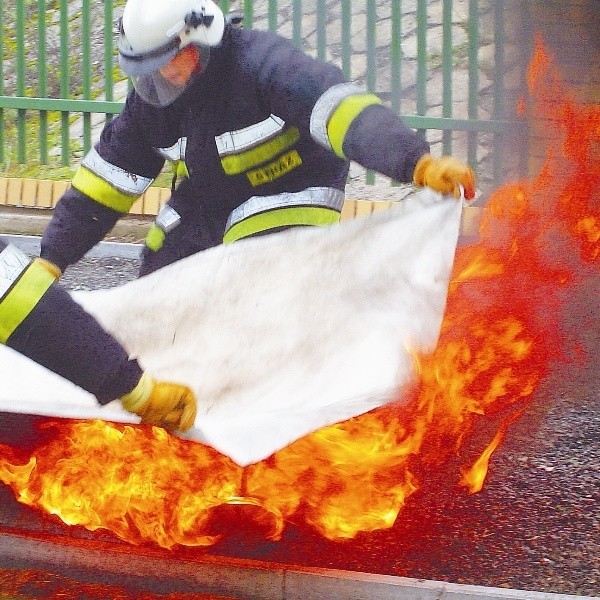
(261, 141)
(39, 319)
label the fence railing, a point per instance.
(448, 66)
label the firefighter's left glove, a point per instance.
(162, 403)
(50, 267)
(446, 175)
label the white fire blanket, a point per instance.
(278, 335)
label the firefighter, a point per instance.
(39, 319)
(260, 136)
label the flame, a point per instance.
(500, 334)
(474, 476)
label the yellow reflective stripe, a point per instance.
(101, 191)
(234, 164)
(23, 298)
(155, 238)
(282, 217)
(342, 118)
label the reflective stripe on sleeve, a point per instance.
(124, 181)
(108, 184)
(166, 220)
(334, 112)
(23, 284)
(101, 191)
(343, 116)
(155, 238)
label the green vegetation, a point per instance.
(460, 56)
(48, 69)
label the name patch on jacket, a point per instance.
(284, 164)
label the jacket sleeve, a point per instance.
(342, 116)
(120, 168)
(355, 124)
(39, 319)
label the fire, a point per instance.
(473, 477)
(133, 481)
(500, 334)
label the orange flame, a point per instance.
(500, 333)
(473, 477)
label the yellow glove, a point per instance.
(50, 267)
(168, 405)
(445, 175)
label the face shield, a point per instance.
(161, 75)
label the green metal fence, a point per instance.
(442, 64)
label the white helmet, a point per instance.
(152, 32)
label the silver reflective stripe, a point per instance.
(324, 197)
(326, 105)
(232, 142)
(12, 263)
(128, 183)
(167, 218)
(174, 152)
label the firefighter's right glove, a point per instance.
(162, 403)
(50, 267)
(445, 175)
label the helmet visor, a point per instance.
(171, 77)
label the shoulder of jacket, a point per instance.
(254, 38)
